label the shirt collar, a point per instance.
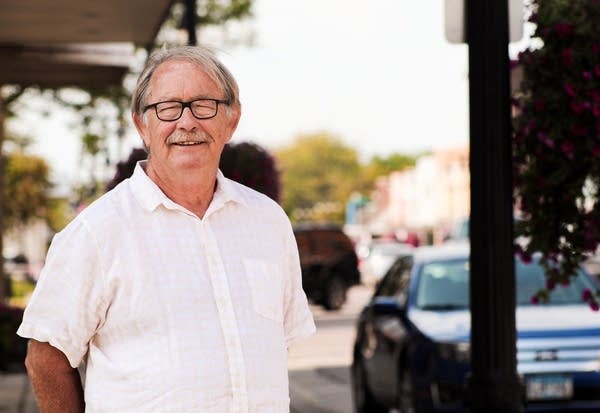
(150, 196)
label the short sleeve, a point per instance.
(68, 304)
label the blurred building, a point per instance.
(429, 198)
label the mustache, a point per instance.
(179, 136)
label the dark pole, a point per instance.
(190, 18)
(493, 385)
(3, 276)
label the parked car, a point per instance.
(329, 264)
(379, 258)
(412, 341)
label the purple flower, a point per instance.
(586, 294)
(568, 149)
(567, 57)
(550, 284)
(594, 305)
(577, 107)
(545, 139)
(563, 29)
(539, 104)
(570, 89)
(535, 299)
(596, 110)
(587, 75)
(579, 130)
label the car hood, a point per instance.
(531, 320)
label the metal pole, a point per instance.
(493, 383)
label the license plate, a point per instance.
(544, 387)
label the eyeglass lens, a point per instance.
(201, 109)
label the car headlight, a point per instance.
(458, 352)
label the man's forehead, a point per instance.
(177, 76)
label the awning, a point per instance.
(74, 42)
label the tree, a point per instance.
(556, 145)
(381, 166)
(319, 173)
(244, 162)
(26, 190)
(251, 165)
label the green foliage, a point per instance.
(217, 12)
(319, 173)
(556, 142)
(381, 166)
(26, 189)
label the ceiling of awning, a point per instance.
(74, 42)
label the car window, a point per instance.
(443, 285)
(531, 278)
(396, 281)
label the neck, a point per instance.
(193, 191)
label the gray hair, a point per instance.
(200, 55)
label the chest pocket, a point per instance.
(265, 280)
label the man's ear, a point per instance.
(233, 121)
(141, 127)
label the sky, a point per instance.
(379, 75)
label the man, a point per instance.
(179, 290)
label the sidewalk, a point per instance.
(16, 395)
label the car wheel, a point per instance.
(406, 394)
(361, 395)
(335, 294)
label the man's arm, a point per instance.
(56, 384)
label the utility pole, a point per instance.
(493, 383)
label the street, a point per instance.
(319, 366)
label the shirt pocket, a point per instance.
(264, 278)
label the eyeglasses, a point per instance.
(172, 110)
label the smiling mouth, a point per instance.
(188, 143)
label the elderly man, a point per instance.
(179, 290)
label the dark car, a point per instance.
(329, 264)
(412, 342)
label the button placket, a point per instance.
(227, 320)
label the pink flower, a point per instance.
(594, 306)
(577, 107)
(596, 110)
(567, 57)
(545, 139)
(535, 299)
(586, 294)
(570, 89)
(539, 104)
(587, 75)
(568, 149)
(579, 130)
(550, 284)
(563, 29)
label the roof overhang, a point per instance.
(72, 42)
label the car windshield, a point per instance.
(444, 285)
(531, 278)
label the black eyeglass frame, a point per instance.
(188, 105)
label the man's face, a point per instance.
(204, 139)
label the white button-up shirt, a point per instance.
(172, 313)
